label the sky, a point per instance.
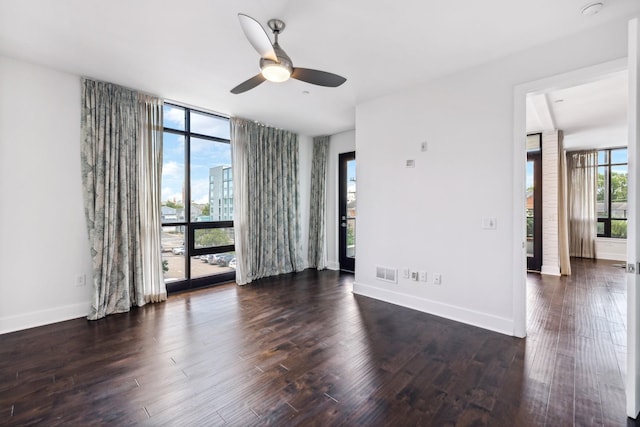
(351, 176)
(205, 154)
(529, 181)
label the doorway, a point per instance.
(347, 211)
(544, 87)
(540, 90)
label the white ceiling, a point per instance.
(591, 115)
(194, 52)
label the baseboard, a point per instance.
(550, 270)
(447, 311)
(333, 265)
(43, 317)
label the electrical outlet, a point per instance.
(406, 273)
(631, 268)
(414, 276)
(437, 279)
(423, 276)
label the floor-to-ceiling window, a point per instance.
(611, 202)
(197, 199)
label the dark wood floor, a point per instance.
(303, 350)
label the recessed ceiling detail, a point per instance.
(591, 115)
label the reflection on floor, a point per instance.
(576, 344)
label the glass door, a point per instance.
(347, 211)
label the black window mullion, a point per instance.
(207, 137)
(610, 197)
(187, 195)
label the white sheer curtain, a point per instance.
(239, 128)
(563, 213)
(153, 287)
(582, 183)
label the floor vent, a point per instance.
(386, 274)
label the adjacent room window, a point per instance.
(197, 199)
(611, 201)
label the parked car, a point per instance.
(212, 259)
(224, 259)
(179, 250)
(232, 263)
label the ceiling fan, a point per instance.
(275, 64)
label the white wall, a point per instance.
(430, 217)
(611, 249)
(344, 142)
(43, 244)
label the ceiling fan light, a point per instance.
(276, 73)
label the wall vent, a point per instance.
(387, 274)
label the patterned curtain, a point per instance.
(111, 137)
(317, 242)
(266, 200)
(582, 183)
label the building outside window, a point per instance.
(221, 193)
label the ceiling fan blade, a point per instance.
(257, 37)
(316, 77)
(248, 84)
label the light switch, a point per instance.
(489, 223)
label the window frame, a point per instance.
(190, 225)
(609, 164)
